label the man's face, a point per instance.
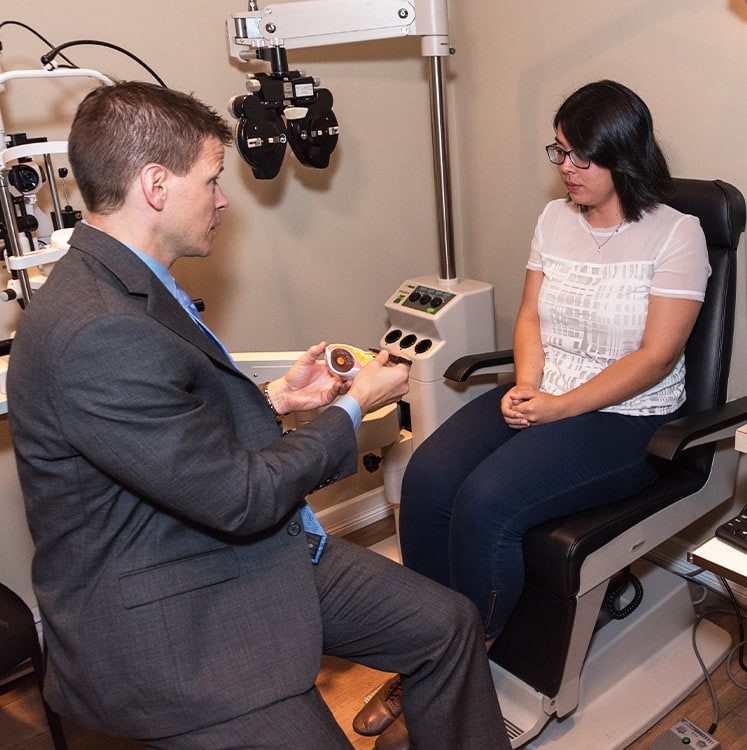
(195, 201)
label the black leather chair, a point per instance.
(19, 642)
(570, 560)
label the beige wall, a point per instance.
(314, 254)
(686, 59)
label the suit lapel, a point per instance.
(140, 281)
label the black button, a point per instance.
(423, 346)
(294, 528)
(392, 336)
(408, 341)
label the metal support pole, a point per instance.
(51, 181)
(14, 246)
(441, 168)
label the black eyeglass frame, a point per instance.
(572, 155)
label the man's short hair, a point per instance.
(119, 129)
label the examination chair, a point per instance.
(19, 642)
(612, 677)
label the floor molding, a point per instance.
(356, 512)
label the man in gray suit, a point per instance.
(186, 593)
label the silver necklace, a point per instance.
(591, 233)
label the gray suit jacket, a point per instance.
(171, 568)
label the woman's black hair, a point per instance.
(611, 125)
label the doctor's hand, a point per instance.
(380, 383)
(307, 385)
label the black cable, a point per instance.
(57, 50)
(740, 621)
(37, 35)
(711, 689)
(616, 588)
(740, 646)
(47, 59)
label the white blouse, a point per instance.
(594, 297)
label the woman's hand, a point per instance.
(525, 405)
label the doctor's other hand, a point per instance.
(308, 384)
(380, 383)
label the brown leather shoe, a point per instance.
(381, 710)
(395, 738)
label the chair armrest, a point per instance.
(667, 442)
(462, 368)
(704, 427)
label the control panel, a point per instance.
(436, 321)
(424, 298)
(685, 734)
(433, 322)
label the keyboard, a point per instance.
(734, 531)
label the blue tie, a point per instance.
(314, 532)
(186, 302)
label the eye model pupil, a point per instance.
(344, 360)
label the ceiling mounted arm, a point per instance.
(311, 23)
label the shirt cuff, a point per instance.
(352, 407)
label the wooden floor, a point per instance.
(23, 727)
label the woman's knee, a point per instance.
(427, 492)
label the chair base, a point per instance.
(638, 669)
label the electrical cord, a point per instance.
(54, 51)
(617, 587)
(732, 676)
(49, 56)
(692, 578)
(36, 34)
(704, 669)
(738, 647)
(740, 620)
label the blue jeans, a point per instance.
(475, 486)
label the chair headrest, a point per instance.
(719, 206)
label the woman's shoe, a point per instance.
(395, 738)
(381, 710)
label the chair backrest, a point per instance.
(720, 207)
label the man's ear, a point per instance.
(153, 182)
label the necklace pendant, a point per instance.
(593, 236)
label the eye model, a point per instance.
(346, 361)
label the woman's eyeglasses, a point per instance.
(557, 156)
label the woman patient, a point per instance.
(614, 283)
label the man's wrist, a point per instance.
(352, 407)
(273, 400)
